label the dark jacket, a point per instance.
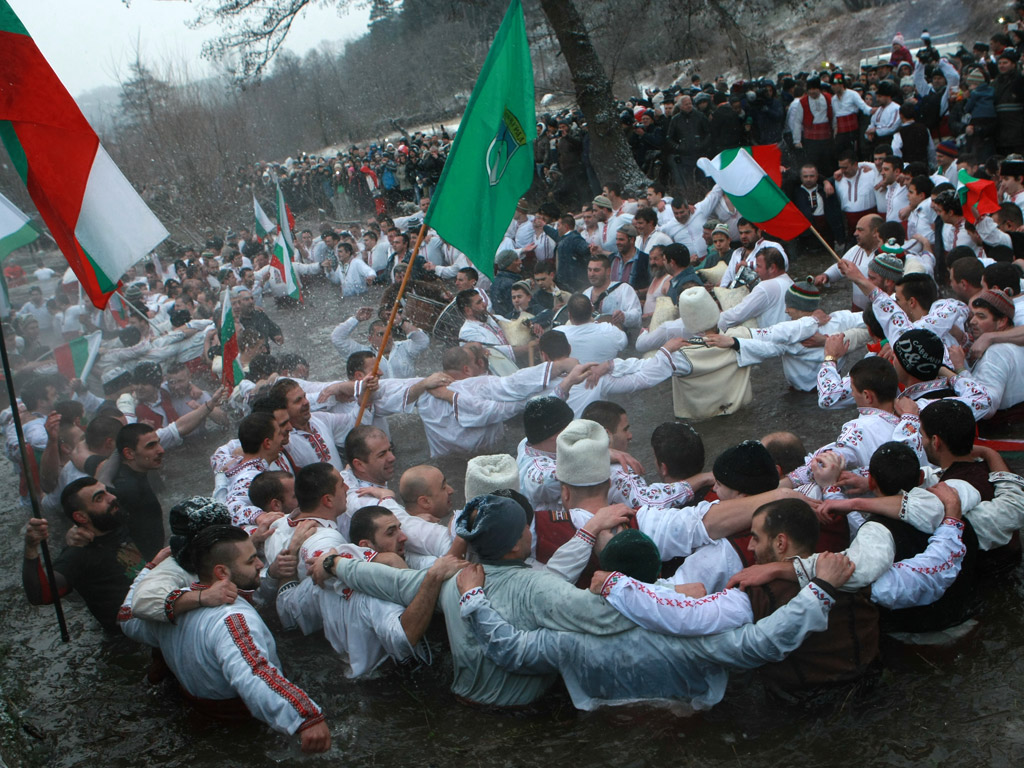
(801, 198)
(501, 292)
(688, 134)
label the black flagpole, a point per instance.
(44, 548)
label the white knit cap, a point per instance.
(581, 454)
(698, 310)
(486, 474)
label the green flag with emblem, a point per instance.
(490, 164)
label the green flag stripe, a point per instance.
(10, 139)
(9, 21)
(79, 353)
(16, 239)
(727, 156)
(102, 279)
(763, 203)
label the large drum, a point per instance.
(447, 324)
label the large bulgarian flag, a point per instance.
(977, 196)
(232, 373)
(76, 358)
(96, 217)
(755, 194)
(284, 250)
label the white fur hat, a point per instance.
(698, 310)
(485, 474)
(581, 454)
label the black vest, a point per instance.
(959, 601)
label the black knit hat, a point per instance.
(544, 417)
(747, 468)
(920, 353)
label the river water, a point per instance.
(87, 702)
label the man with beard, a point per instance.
(224, 656)
(139, 451)
(102, 571)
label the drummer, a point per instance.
(399, 360)
(480, 325)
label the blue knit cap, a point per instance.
(497, 526)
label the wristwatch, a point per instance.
(829, 359)
(329, 563)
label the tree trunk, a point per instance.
(609, 153)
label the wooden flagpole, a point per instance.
(365, 400)
(828, 247)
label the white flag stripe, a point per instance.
(11, 218)
(262, 220)
(115, 227)
(738, 178)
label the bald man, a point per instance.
(426, 493)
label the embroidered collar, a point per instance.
(892, 418)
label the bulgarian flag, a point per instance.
(264, 226)
(15, 228)
(232, 372)
(96, 217)
(754, 194)
(75, 359)
(977, 196)
(284, 250)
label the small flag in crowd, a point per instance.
(264, 226)
(231, 373)
(76, 358)
(977, 196)
(490, 165)
(284, 250)
(96, 217)
(16, 229)
(754, 194)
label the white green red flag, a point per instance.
(284, 250)
(76, 358)
(96, 217)
(754, 194)
(232, 373)
(16, 228)
(264, 226)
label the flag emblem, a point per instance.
(506, 142)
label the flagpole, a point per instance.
(828, 247)
(44, 548)
(139, 312)
(365, 400)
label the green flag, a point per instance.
(490, 164)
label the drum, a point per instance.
(447, 325)
(421, 311)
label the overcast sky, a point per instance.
(90, 42)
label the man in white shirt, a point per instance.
(895, 193)
(687, 224)
(855, 184)
(648, 234)
(399, 360)
(354, 275)
(617, 299)
(591, 342)
(866, 237)
(766, 304)
(886, 118)
(481, 326)
(751, 244)
(314, 437)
